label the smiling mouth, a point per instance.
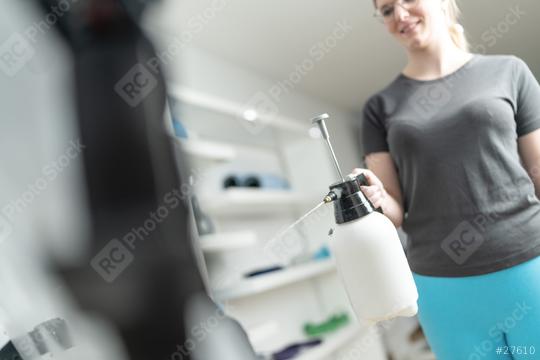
(409, 29)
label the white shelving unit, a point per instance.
(215, 243)
(266, 282)
(247, 218)
(233, 109)
(218, 151)
(333, 343)
(241, 201)
(209, 150)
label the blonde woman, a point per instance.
(452, 147)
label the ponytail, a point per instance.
(457, 33)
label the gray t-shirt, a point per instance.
(470, 205)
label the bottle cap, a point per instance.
(351, 204)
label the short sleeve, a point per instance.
(373, 130)
(528, 99)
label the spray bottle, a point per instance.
(369, 256)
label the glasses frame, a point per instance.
(380, 17)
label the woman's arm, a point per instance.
(529, 150)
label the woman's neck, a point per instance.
(435, 61)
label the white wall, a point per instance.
(199, 70)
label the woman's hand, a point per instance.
(375, 192)
(388, 196)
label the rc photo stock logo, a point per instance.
(15, 53)
(462, 242)
(118, 254)
(112, 260)
(262, 108)
(429, 100)
(136, 84)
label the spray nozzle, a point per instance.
(331, 196)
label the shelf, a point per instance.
(218, 151)
(234, 109)
(333, 343)
(246, 201)
(262, 283)
(249, 201)
(208, 150)
(227, 241)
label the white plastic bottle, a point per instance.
(367, 250)
(369, 256)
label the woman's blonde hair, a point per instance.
(457, 33)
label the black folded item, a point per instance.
(263, 271)
(230, 181)
(252, 181)
(241, 181)
(293, 350)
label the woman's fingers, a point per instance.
(371, 178)
(375, 194)
(376, 203)
(367, 190)
(375, 191)
(358, 171)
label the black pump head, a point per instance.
(350, 203)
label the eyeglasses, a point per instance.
(386, 13)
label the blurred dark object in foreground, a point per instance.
(130, 168)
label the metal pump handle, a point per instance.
(319, 120)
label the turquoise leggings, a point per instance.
(485, 317)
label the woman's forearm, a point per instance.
(393, 210)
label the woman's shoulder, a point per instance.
(500, 59)
(388, 91)
(509, 65)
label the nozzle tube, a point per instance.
(331, 196)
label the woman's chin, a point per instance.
(416, 44)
